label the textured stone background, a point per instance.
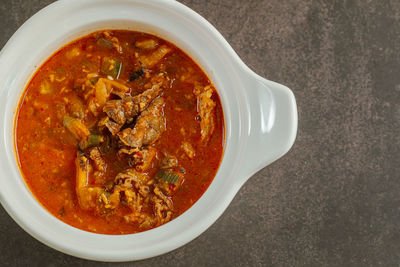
(334, 199)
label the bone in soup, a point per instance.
(119, 132)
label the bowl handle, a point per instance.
(273, 123)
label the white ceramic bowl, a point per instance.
(260, 118)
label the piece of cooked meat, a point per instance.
(205, 109)
(133, 179)
(111, 126)
(141, 158)
(87, 196)
(82, 170)
(102, 90)
(149, 126)
(124, 110)
(169, 161)
(115, 111)
(148, 155)
(145, 220)
(162, 206)
(127, 151)
(99, 162)
(135, 194)
(136, 104)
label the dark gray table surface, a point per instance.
(334, 199)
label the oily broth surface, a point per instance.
(46, 151)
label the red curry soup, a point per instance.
(119, 132)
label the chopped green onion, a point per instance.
(117, 68)
(94, 139)
(168, 177)
(111, 67)
(104, 43)
(94, 80)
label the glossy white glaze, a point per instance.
(260, 117)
